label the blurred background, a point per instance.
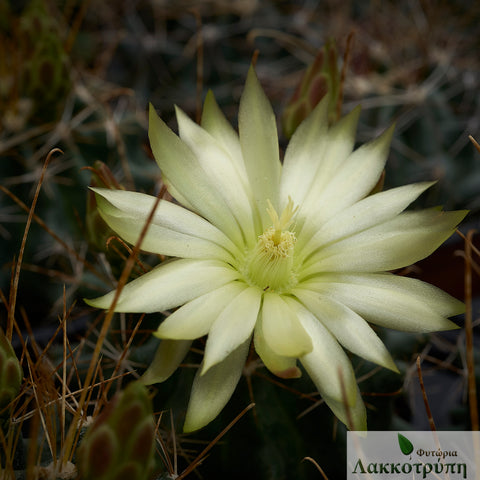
(78, 75)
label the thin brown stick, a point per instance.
(319, 468)
(475, 143)
(63, 322)
(255, 55)
(14, 288)
(472, 389)
(472, 246)
(425, 399)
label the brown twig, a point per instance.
(472, 389)
(319, 468)
(475, 143)
(16, 277)
(425, 399)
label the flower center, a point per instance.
(270, 263)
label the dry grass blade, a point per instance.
(472, 389)
(16, 277)
(318, 467)
(425, 398)
(475, 143)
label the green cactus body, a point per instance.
(120, 444)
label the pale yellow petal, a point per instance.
(402, 241)
(173, 231)
(169, 355)
(169, 285)
(232, 326)
(353, 416)
(281, 328)
(212, 390)
(259, 141)
(182, 170)
(218, 165)
(349, 328)
(390, 300)
(354, 179)
(372, 210)
(195, 318)
(281, 366)
(327, 364)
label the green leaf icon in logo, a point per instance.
(405, 444)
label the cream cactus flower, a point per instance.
(293, 255)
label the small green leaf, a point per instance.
(406, 445)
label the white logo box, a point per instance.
(402, 455)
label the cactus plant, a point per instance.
(120, 443)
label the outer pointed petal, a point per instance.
(354, 179)
(351, 330)
(259, 141)
(212, 390)
(283, 367)
(353, 416)
(392, 301)
(402, 241)
(327, 364)
(232, 327)
(168, 285)
(304, 154)
(281, 328)
(366, 213)
(340, 143)
(220, 168)
(215, 123)
(174, 231)
(168, 357)
(183, 172)
(196, 317)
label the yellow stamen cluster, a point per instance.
(269, 264)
